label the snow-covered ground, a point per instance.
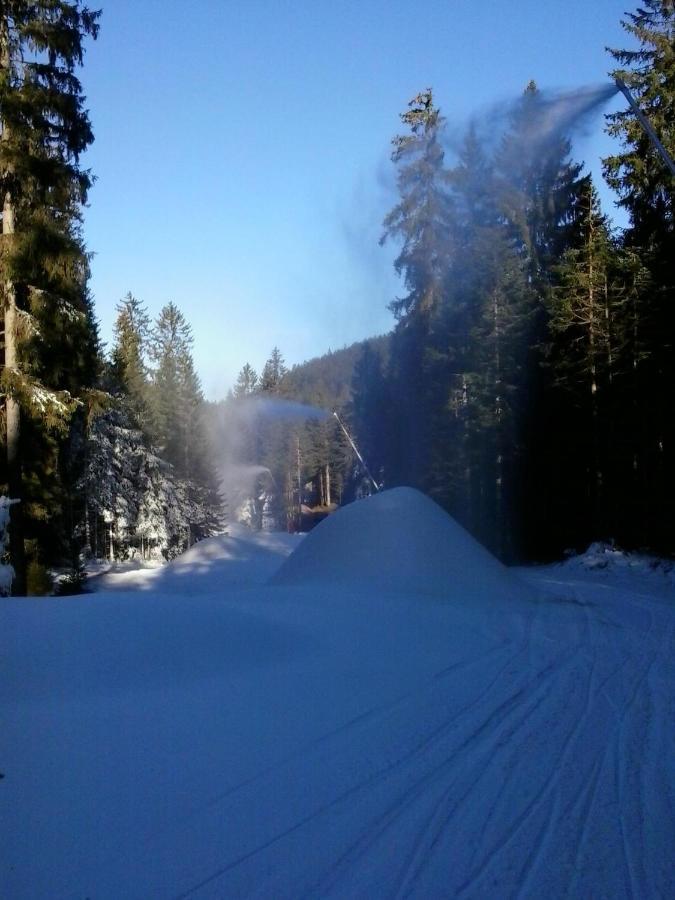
(393, 714)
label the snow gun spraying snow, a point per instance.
(342, 425)
(647, 125)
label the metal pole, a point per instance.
(354, 448)
(647, 125)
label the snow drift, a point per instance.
(240, 557)
(400, 540)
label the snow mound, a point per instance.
(602, 555)
(400, 540)
(240, 557)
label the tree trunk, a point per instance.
(499, 457)
(12, 410)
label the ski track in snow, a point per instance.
(446, 757)
(428, 786)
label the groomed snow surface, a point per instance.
(394, 714)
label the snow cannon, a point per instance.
(647, 125)
(378, 487)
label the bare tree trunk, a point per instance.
(596, 486)
(12, 410)
(499, 460)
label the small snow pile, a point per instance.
(602, 556)
(399, 540)
(241, 557)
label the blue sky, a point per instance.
(242, 150)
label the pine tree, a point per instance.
(646, 191)
(420, 222)
(539, 187)
(457, 466)
(273, 373)
(638, 173)
(48, 338)
(171, 346)
(584, 355)
(420, 219)
(180, 432)
(247, 382)
(130, 356)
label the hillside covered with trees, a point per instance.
(528, 384)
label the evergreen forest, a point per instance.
(526, 385)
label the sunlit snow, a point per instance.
(396, 714)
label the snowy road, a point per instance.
(323, 742)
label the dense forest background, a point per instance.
(527, 384)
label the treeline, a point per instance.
(94, 453)
(149, 485)
(529, 383)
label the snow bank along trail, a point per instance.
(345, 737)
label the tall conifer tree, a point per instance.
(47, 315)
(420, 223)
(647, 191)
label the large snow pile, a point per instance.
(399, 540)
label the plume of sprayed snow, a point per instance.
(244, 482)
(260, 406)
(569, 112)
(553, 115)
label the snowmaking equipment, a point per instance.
(647, 125)
(378, 487)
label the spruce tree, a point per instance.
(647, 191)
(180, 432)
(583, 357)
(273, 373)
(457, 465)
(247, 382)
(420, 223)
(48, 331)
(539, 187)
(171, 343)
(638, 173)
(130, 356)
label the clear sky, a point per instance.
(242, 150)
